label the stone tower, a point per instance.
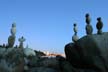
(11, 38)
(75, 37)
(21, 40)
(99, 25)
(88, 28)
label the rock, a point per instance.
(89, 52)
(72, 55)
(21, 40)
(43, 62)
(75, 38)
(12, 60)
(11, 38)
(64, 65)
(67, 67)
(29, 52)
(50, 62)
(11, 41)
(99, 25)
(26, 68)
(42, 69)
(2, 50)
(39, 53)
(33, 61)
(13, 29)
(88, 28)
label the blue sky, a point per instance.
(47, 25)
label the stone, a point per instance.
(75, 29)
(11, 38)
(72, 55)
(2, 51)
(75, 37)
(39, 53)
(26, 68)
(88, 28)
(13, 29)
(99, 25)
(89, 52)
(87, 18)
(21, 40)
(11, 41)
(33, 61)
(42, 69)
(50, 62)
(34, 64)
(67, 67)
(29, 52)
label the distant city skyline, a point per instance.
(47, 25)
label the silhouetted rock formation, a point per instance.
(89, 52)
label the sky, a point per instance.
(47, 25)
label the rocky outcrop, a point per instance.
(89, 52)
(11, 60)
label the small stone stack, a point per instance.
(75, 37)
(88, 28)
(99, 25)
(21, 40)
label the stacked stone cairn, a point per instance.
(99, 25)
(21, 40)
(11, 39)
(75, 37)
(89, 28)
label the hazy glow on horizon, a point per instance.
(48, 24)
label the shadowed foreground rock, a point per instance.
(89, 52)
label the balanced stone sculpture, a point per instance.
(75, 37)
(99, 25)
(21, 40)
(89, 28)
(11, 39)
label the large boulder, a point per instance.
(29, 52)
(42, 69)
(89, 52)
(72, 55)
